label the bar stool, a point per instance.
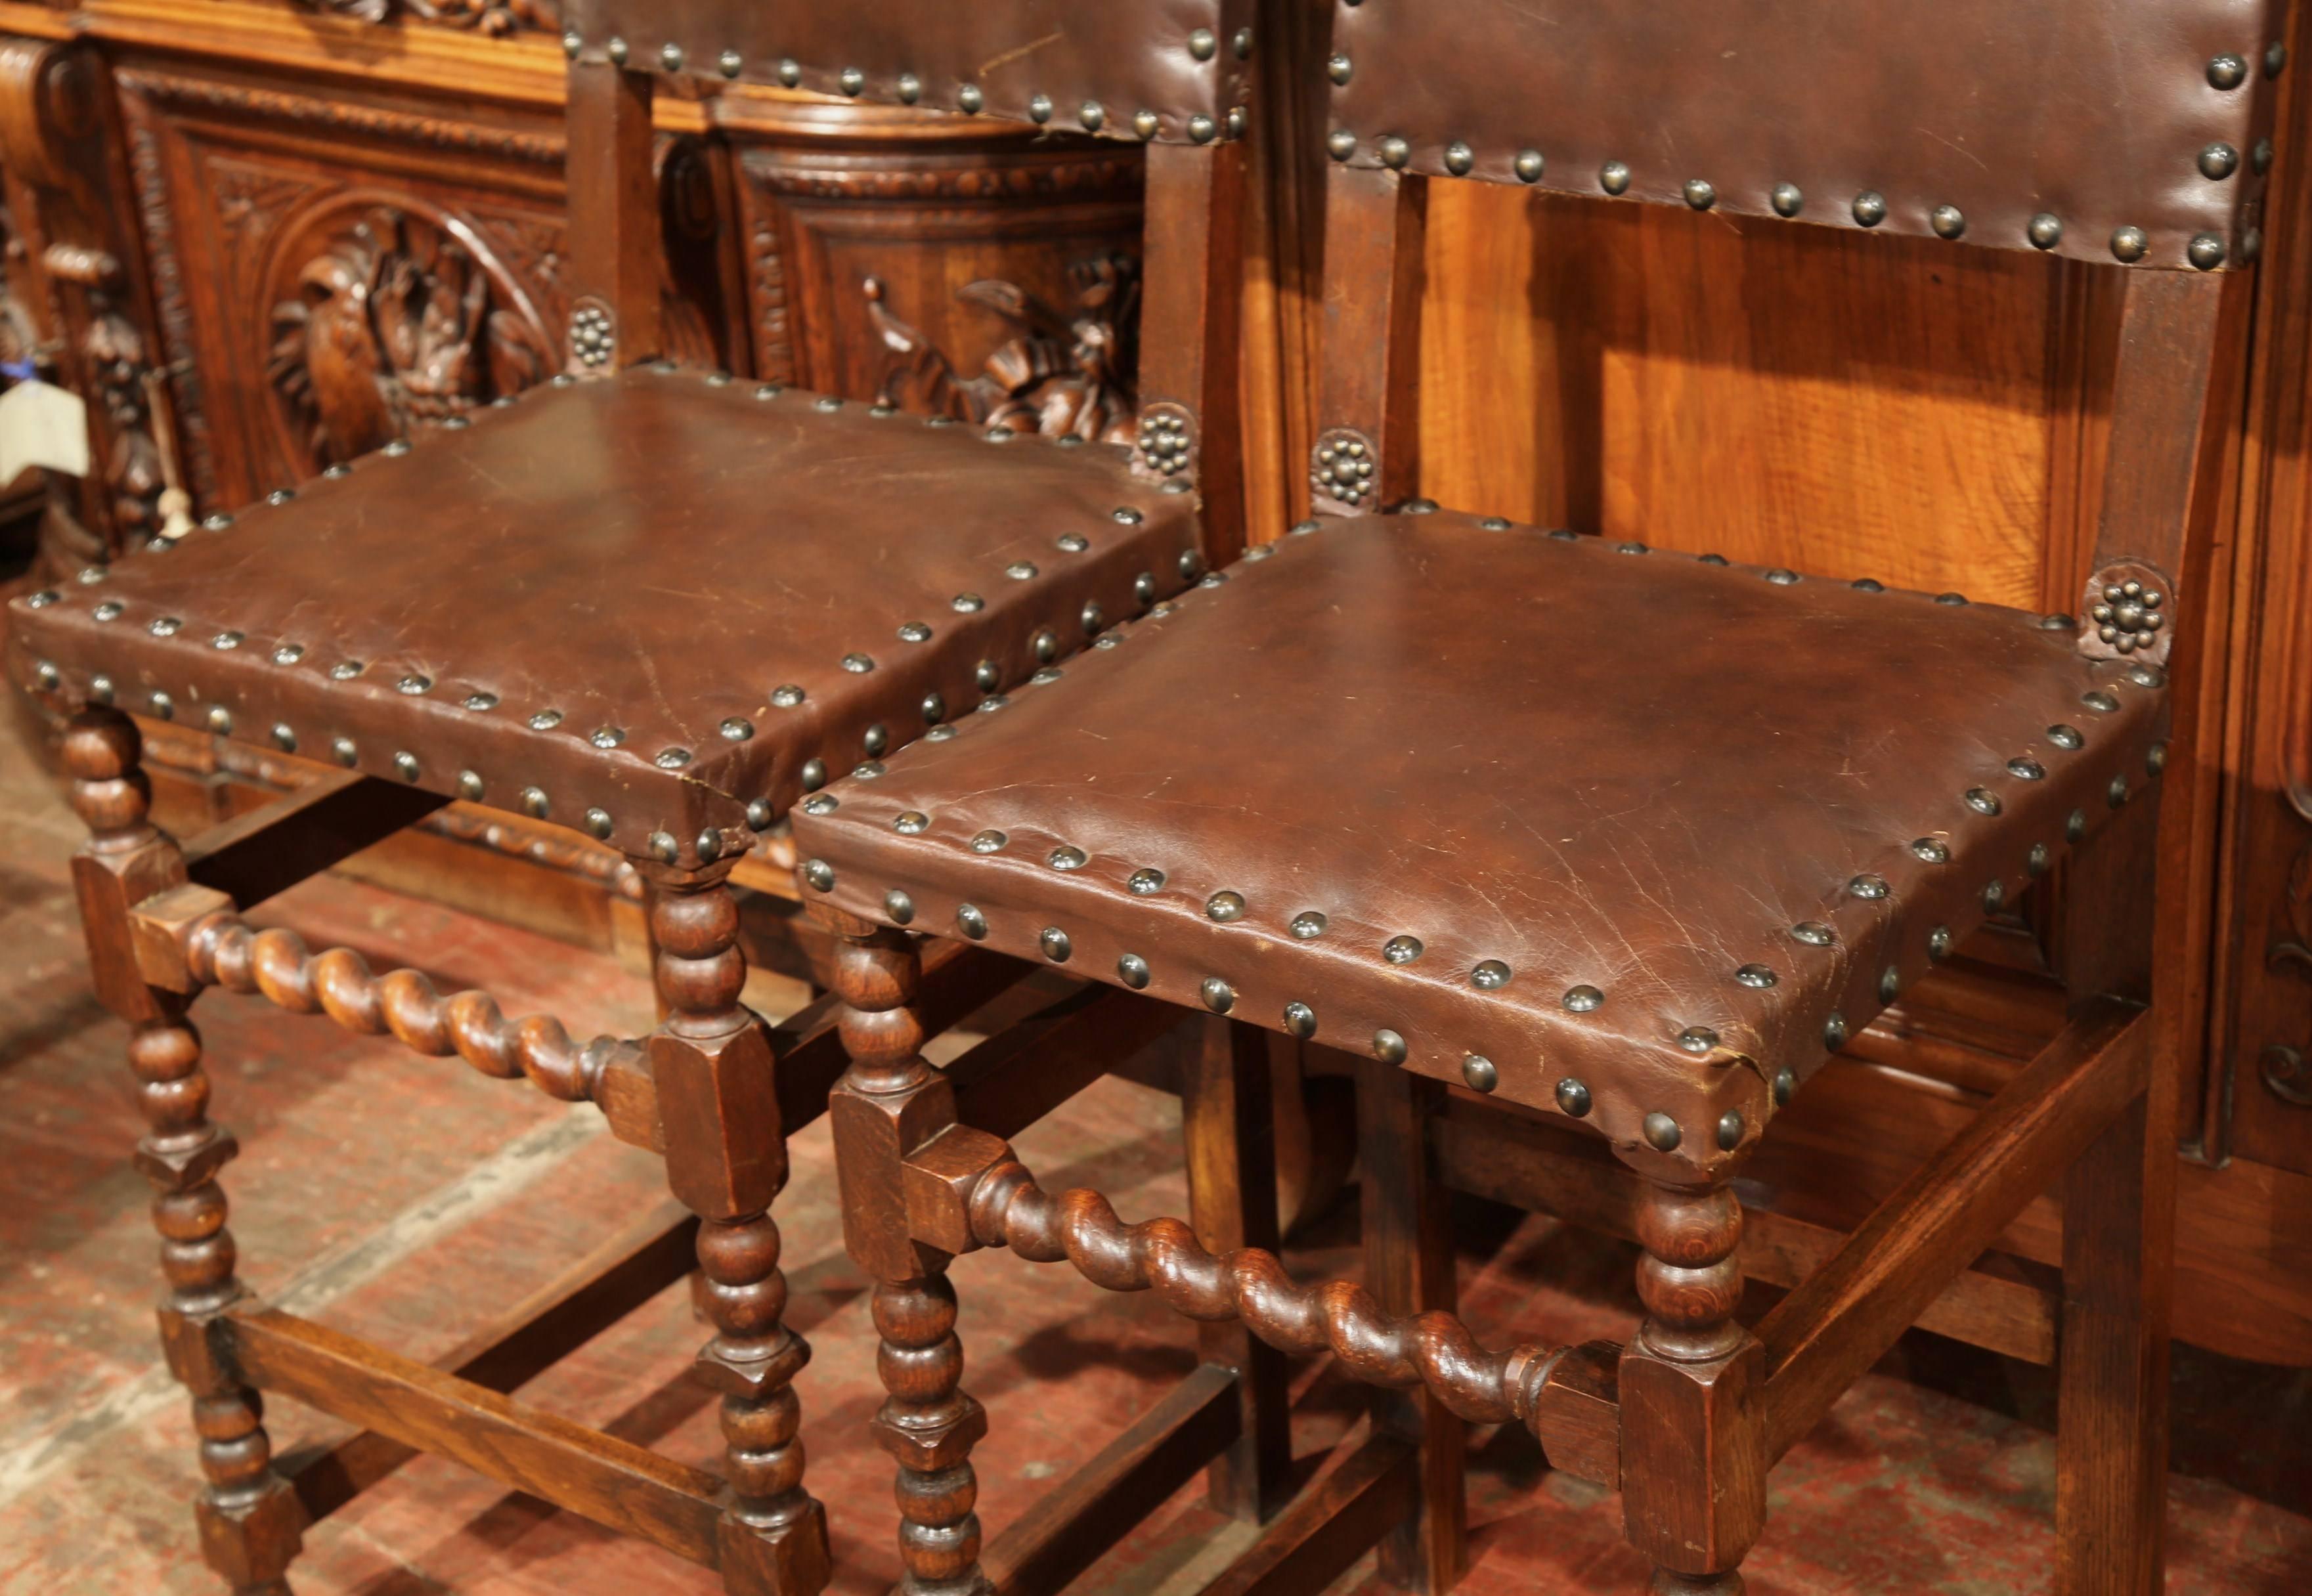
(662, 604)
(1552, 833)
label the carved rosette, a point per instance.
(1166, 443)
(1344, 471)
(2130, 615)
(389, 317)
(593, 335)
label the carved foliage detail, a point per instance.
(392, 323)
(1059, 375)
(480, 16)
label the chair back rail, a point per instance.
(2139, 128)
(2135, 130)
(1142, 69)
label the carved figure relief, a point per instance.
(1060, 375)
(393, 320)
(482, 16)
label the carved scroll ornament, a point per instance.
(2285, 1070)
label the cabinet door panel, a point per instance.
(334, 271)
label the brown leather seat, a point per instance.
(1616, 832)
(657, 607)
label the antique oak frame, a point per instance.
(715, 1089)
(1686, 1419)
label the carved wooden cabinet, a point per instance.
(333, 273)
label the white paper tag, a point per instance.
(42, 425)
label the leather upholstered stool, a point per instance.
(659, 606)
(1558, 836)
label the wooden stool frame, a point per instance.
(715, 1089)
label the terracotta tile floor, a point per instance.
(400, 1198)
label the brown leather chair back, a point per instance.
(1170, 74)
(2065, 105)
(2135, 130)
(2128, 132)
(1171, 70)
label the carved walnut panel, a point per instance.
(334, 267)
(333, 271)
(982, 275)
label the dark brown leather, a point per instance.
(2093, 111)
(656, 554)
(1636, 773)
(1027, 60)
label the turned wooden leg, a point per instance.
(1693, 1461)
(1227, 1110)
(888, 1103)
(1409, 1268)
(726, 1161)
(250, 1521)
(928, 1426)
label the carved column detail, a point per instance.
(59, 129)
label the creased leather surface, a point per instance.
(655, 554)
(1123, 55)
(1637, 773)
(2093, 110)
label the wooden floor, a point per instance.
(1935, 1475)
